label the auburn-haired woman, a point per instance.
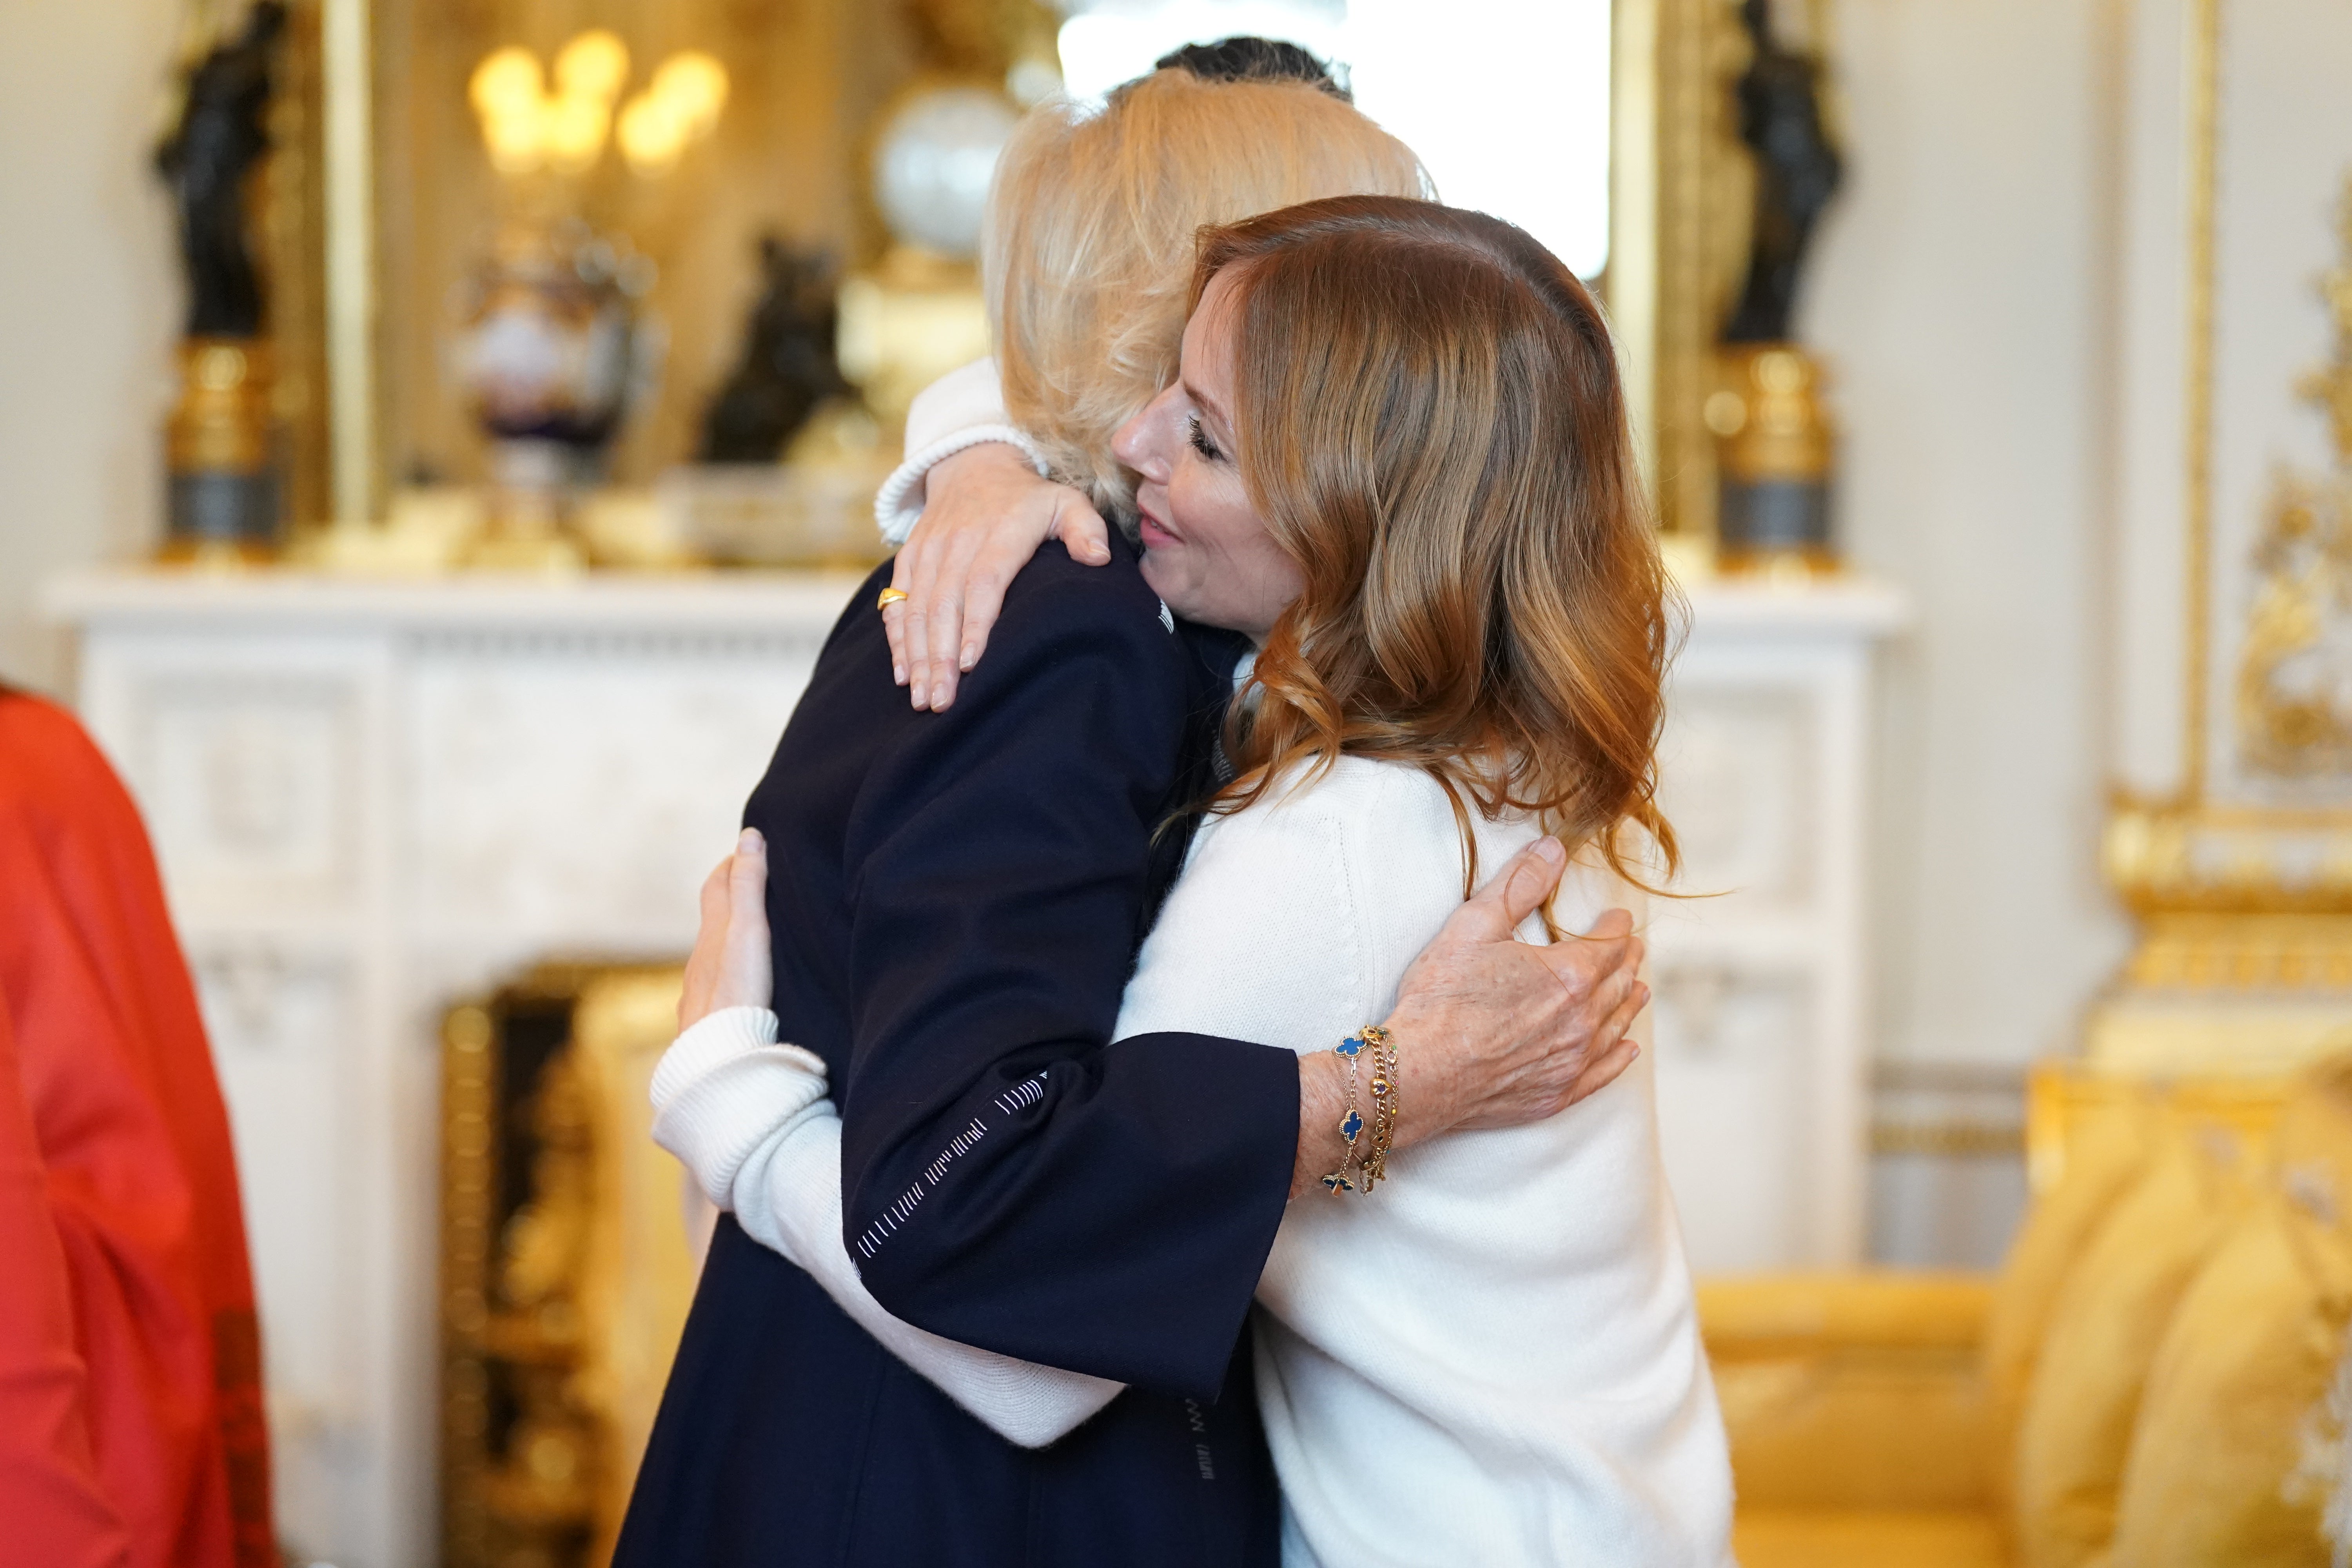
(1396, 459)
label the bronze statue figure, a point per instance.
(219, 137)
(1797, 171)
(788, 366)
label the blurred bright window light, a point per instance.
(1506, 101)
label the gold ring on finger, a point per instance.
(890, 597)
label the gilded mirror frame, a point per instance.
(1678, 192)
(1681, 191)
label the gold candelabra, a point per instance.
(527, 126)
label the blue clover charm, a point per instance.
(1352, 1126)
(1338, 1184)
(1349, 1047)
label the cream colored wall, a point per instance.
(1962, 293)
(88, 298)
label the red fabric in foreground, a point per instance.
(56, 1509)
(112, 1073)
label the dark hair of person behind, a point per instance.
(1246, 58)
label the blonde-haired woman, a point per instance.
(955, 905)
(1087, 253)
(1396, 459)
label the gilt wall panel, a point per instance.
(2238, 163)
(2284, 172)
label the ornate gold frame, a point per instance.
(1679, 193)
(2204, 80)
(565, 1269)
(469, 1175)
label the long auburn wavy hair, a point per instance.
(1430, 421)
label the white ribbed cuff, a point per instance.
(899, 504)
(723, 1086)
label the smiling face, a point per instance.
(1206, 551)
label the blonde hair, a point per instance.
(1091, 234)
(1430, 420)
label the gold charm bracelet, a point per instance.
(1351, 1125)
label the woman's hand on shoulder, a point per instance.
(731, 965)
(1491, 1031)
(1501, 1032)
(985, 512)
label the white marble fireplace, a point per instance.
(372, 798)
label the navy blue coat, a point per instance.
(956, 901)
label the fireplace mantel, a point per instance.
(372, 797)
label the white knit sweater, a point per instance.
(963, 408)
(1493, 1359)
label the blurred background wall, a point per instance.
(1965, 296)
(89, 298)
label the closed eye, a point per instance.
(1200, 439)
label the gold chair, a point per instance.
(1875, 1417)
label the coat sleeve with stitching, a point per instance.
(750, 1119)
(1010, 1180)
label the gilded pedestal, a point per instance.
(224, 493)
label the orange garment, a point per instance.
(130, 1142)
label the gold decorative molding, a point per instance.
(1946, 1139)
(2166, 857)
(2245, 953)
(469, 1147)
(2330, 386)
(2203, 76)
(638, 1266)
(2294, 670)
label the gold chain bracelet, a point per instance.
(1384, 1105)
